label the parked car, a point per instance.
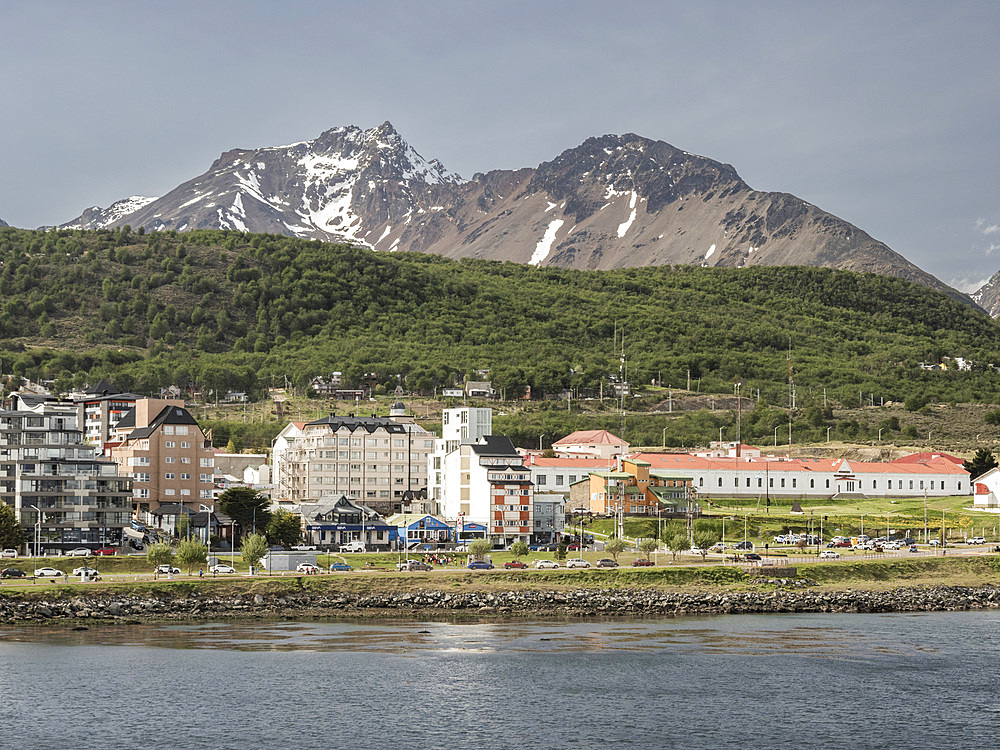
(12, 573)
(546, 564)
(306, 568)
(168, 569)
(976, 540)
(413, 565)
(743, 546)
(574, 547)
(104, 551)
(86, 571)
(48, 573)
(829, 554)
(341, 567)
(913, 548)
(718, 547)
(9, 553)
(843, 543)
(577, 562)
(353, 546)
(480, 565)
(697, 551)
(752, 557)
(642, 563)
(606, 562)
(515, 564)
(304, 547)
(222, 568)
(78, 552)
(891, 545)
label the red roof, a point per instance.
(915, 458)
(591, 437)
(566, 463)
(686, 461)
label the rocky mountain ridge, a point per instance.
(614, 201)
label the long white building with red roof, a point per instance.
(755, 476)
(590, 444)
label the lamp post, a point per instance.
(775, 437)
(664, 438)
(38, 536)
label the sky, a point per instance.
(886, 114)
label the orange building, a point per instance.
(162, 448)
(637, 490)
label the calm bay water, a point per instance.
(861, 681)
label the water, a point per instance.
(763, 681)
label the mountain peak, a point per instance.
(613, 201)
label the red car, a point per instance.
(642, 563)
(515, 564)
(105, 551)
(573, 547)
(842, 543)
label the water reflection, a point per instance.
(744, 635)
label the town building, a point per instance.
(166, 454)
(63, 493)
(549, 517)
(764, 476)
(462, 425)
(639, 490)
(374, 460)
(416, 527)
(590, 444)
(486, 482)
(558, 473)
(102, 406)
(331, 522)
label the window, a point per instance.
(168, 459)
(185, 492)
(204, 477)
(169, 475)
(185, 459)
(185, 476)
(169, 492)
(793, 482)
(828, 484)
(720, 481)
(770, 482)
(701, 481)
(185, 444)
(748, 481)
(812, 483)
(782, 481)
(572, 478)
(541, 479)
(170, 444)
(205, 494)
(206, 462)
(932, 484)
(559, 478)
(181, 429)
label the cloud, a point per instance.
(967, 284)
(992, 248)
(987, 229)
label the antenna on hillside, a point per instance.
(791, 397)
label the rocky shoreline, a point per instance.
(786, 596)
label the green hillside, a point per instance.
(240, 312)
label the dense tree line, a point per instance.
(230, 311)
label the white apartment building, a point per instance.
(556, 474)
(373, 460)
(485, 482)
(549, 517)
(458, 426)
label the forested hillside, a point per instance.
(231, 311)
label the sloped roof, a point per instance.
(495, 445)
(168, 415)
(590, 437)
(688, 462)
(915, 458)
(562, 462)
(368, 424)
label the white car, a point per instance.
(892, 545)
(696, 551)
(829, 554)
(220, 568)
(9, 553)
(977, 540)
(48, 573)
(546, 564)
(306, 568)
(577, 562)
(85, 571)
(79, 552)
(168, 569)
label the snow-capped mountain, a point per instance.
(3, 223)
(96, 217)
(988, 296)
(614, 201)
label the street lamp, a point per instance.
(38, 535)
(775, 437)
(664, 440)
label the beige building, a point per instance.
(166, 454)
(375, 461)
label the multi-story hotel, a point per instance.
(64, 495)
(375, 461)
(162, 448)
(101, 407)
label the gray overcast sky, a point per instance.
(885, 114)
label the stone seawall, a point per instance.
(429, 603)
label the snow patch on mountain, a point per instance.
(545, 244)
